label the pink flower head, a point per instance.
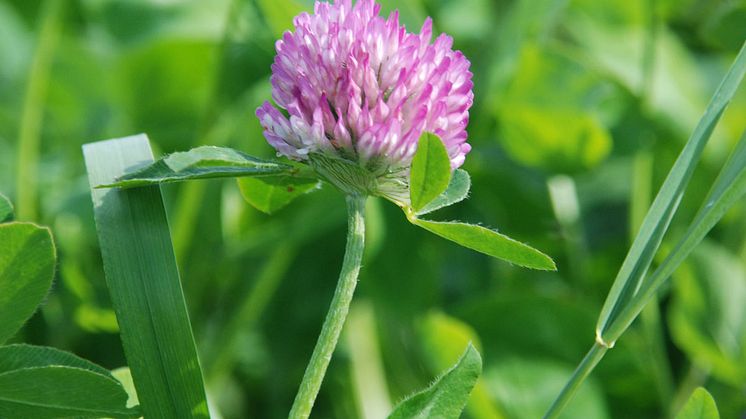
(360, 87)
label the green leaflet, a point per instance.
(655, 224)
(26, 272)
(272, 193)
(6, 209)
(431, 171)
(144, 284)
(457, 191)
(446, 397)
(700, 405)
(61, 391)
(204, 162)
(489, 242)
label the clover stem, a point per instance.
(340, 306)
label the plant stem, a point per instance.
(29, 135)
(338, 310)
(585, 367)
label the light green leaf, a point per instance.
(489, 242)
(271, 193)
(6, 209)
(124, 376)
(16, 357)
(700, 405)
(457, 191)
(205, 162)
(431, 171)
(26, 271)
(446, 397)
(648, 239)
(144, 283)
(56, 391)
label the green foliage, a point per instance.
(272, 193)
(144, 283)
(489, 242)
(21, 356)
(430, 173)
(6, 209)
(700, 405)
(457, 191)
(199, 163)
(26, 272)
(447, 396)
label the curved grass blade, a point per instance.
(59, 391)
(26, 272)
(457, 191)
(144, 284)
(447, 396)
(6, 209)
(204, 162)
(655, 224)
(489, 242)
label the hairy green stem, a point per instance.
(338, 310)
(585, 367)
(29, 135)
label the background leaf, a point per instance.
(56, 391)
(271, 193)
(489, 242)
(457, 191)
(26, 272)
(447, 396)
(431, 171)
(6, 209)
(200, 163)
(700, 405)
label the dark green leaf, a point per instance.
(271, 193)
(55, 391)
(446, 397)
(199, 163)
(457, 191)
(26, 271)
(431, 171)
(489, 242)
(700, 405)
(144, 283)
(6, 209)
(16, 357)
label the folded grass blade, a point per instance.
(144, 283)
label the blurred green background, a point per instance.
(581, 107)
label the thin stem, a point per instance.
(29, 135)
(338, 310)
(585, 367)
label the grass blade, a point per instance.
(204, 162)
(144, 283)
(664, 206)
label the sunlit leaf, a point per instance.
(489, 242)
(272, 193)
(26, 271)
(457, 191)
(431, 171)
(447, 396)
(58, 391)
(200, 163)
(700, 405)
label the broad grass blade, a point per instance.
(144, 283)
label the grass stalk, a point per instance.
(584, 369)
